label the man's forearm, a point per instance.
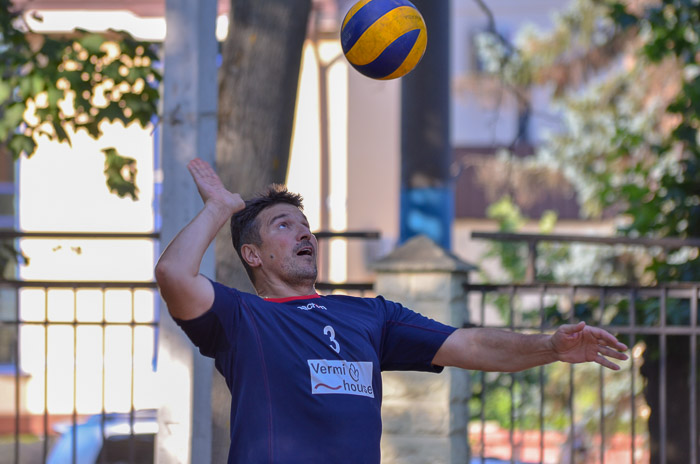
(495, 350)
(186, 293)
(185, 252)
(508, 351)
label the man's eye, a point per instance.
(283, 225)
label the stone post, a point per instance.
(425, 415)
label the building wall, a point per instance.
(482, 113)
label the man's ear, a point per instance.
(251, 255)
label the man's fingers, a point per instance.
(609, 352)
(605, 362)
(609, 339)
(199, 168)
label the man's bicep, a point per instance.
(190, 299)
(457, 350)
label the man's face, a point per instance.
(288, 248)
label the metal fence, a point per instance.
(77, 366)
(645, 413)
(78, 359)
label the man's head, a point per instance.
(273, 227)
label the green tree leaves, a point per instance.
(53, 86)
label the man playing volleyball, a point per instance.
(304, 369)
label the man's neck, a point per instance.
(281, 290)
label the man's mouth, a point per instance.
(306, 251)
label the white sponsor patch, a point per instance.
(341, 377)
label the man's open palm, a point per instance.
(211, 188)
(576, 343)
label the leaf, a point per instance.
(619, 14)
(5, 91)
(91, 42)
(121, 174)
(92, 128)
(55, 95)
(38, 83)
(20, 143)
(60, 132)
(11, 119)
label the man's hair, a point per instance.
(245, 228)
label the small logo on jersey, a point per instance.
(310, 306)
(341, 377)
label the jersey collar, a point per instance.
(292, 298)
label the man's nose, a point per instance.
(303, 233)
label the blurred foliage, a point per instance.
(627, 86)
(53, 86)
(626, 83)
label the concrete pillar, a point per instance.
(188, 130)
(425, 416)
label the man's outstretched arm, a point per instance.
(187, 293)
(496, 350)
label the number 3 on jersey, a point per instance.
(328, 330)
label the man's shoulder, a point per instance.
(232, 290)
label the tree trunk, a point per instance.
(677, 399)
(257, 95)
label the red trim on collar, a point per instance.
(292, 298)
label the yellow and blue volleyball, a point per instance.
(383, 39)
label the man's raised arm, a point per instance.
(187, 293)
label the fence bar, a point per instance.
(17, 383)
(662, 380)
(541, 377)
(347, 286)
(632, 341)
(74, 419)
(693, 378)
(640, 241)
(46, 376)
(601, 385)
(482, 412)
(362, 234)
(572, 430)
(103, 413)
(675, 289)
(511, 431)
(9, 234)
(132, 438)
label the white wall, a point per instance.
(482, 114)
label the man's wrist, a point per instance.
(552, 352)
(219, 208)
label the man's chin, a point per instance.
(307, 275)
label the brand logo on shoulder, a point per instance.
(341, 377)
(310, 306)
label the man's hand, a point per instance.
(577, 343)
(211, 189)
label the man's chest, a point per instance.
(322, 351)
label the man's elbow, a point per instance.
(166, 274)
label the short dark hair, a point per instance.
(245, 227)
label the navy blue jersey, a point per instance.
(305, 372)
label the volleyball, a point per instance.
(383, 39)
